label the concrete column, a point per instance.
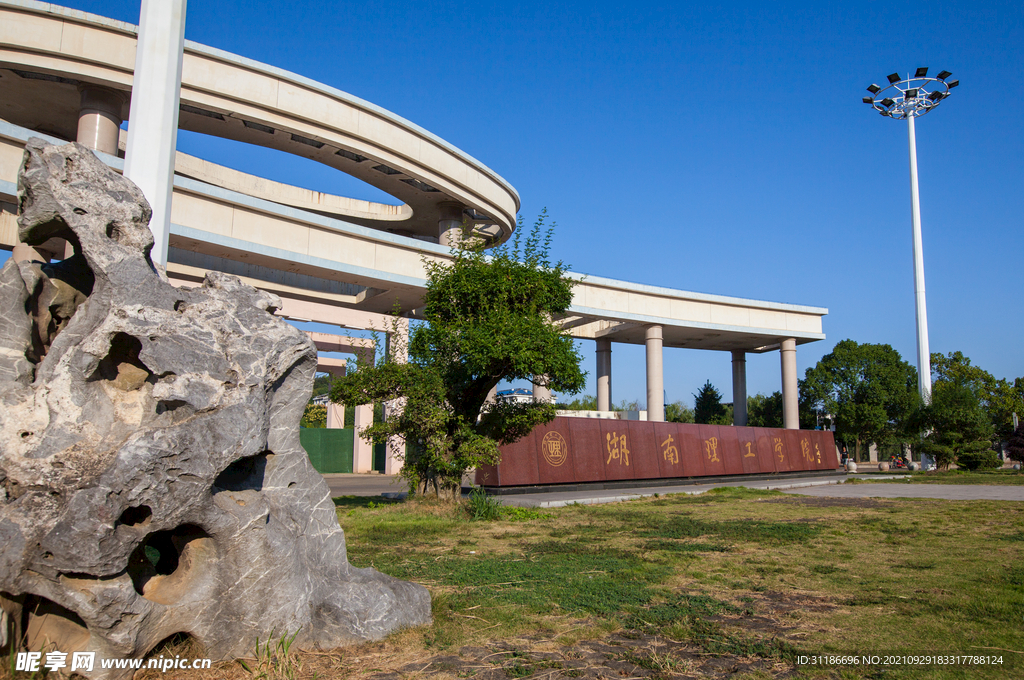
(541, 393)
(153, 118)
(335, 416)
(655, 376)
(449, 226)
(739, 387)
(604, 374)
(790, 397)
(99, 118)
(362, 449)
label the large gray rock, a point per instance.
(151, 476)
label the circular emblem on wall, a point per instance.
(554, 448)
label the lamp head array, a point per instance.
(910, 97)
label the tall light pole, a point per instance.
(909, 98)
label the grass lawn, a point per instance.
(734, 582)
(1001, 477)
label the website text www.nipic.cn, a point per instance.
(87, 661)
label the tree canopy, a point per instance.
(999, 398)
(708, 407)
(765, 411)
(488, 319)
(869, 389)
(958, 429)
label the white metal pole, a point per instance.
(153, 117)
(924, 364)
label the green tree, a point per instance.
(315, 415)
(999, 398)
(678, 412)
(488, 320)
(1015, 444)
(585, 403)
(869, 389)
(959, 430)
(765, 411)
(708, 407)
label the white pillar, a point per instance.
(335, 416)
(924, 360)
(541, 393)
(739, 387)
(153, 117)
(362, 449)
(336, 412)
(790, 396)
(99, 118)
(449, 225)
(655, 375)
(604, 374)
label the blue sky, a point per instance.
(714, 148)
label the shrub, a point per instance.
(978, 460)
(481, 507)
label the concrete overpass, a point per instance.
(66, 75)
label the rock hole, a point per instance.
(26, 435)
(169, 405)
(166, 564)
(48, 626)
(80, 211)
(184, 645)
(245, 474)
(136, 515)
(122, 365)
(291, 485)
(180, 305)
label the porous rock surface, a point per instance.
(151, 477)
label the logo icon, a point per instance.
(554, 448)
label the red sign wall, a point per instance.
(573, 450)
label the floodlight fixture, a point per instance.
(909, 98)
(874, 89)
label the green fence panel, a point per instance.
(329, 450)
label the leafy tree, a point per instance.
(585, 403)
(765, 411)
(315, 415)
(708, 407)
(869, 389)
(488, 319)
(1015, 445)
(678, 412)
(959, 430)
(999, 397)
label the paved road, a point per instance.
(364, 485)
(375, 485)
(955, 492)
